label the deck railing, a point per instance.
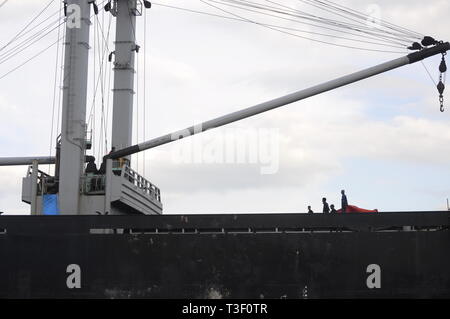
(140, 182)
(95, 184)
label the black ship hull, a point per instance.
(383, 255)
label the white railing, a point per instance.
(95, 184)
(141, 183)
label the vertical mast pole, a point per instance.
(73, 128)
(123, 92)
(34, 181)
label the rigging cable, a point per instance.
(381, 37)
(429, 74)
(399, 46)
(333, 23)
(299, 36)
(320, 21)
(137, 109)
(32, 57)
(7, 55)
(94, 100)
(26, 27)
(104, 46)
(357, 13)
(133, 27)
(62, 78)
(98, 81)
(303, 14)
(109, 89)
(54, 91)
(402, 35)
(49, 25)
(101, 55)
(245, 5)
(145, 83)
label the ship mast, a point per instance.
(73, 128)
(123, 92)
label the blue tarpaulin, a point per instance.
(50, 205)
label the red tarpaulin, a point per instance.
(356, 209)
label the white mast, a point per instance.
(125, 51)
(73, 129)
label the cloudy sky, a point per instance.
(383, 140)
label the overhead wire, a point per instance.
(296, 35)
(30, 59)
(232, 18)
(101, 54)
(381, 21)
(54, 23)
(109, 71)
(327, 26)
(429, 74)
(298, 18)
(39, 24)
(286, 10)
(145, 85)
(54, 92)
(27, 25)
(22, 34)
(96, 82)
(137, 109)
(7, 55)
(359, 28)
(101, 43)
(104, 47)
(398, 35)
(301, 14)
(62, 78)
(34, 38)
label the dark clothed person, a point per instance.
(333, 210)
(102, 170)
(326, 208)
(344, 202)
(310, 210)
(91, 168)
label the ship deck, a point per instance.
(199, 223)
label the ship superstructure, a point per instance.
(75, 189)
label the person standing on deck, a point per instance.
(333, 210)
(344, 202)
(326, 208)
(310, 210)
